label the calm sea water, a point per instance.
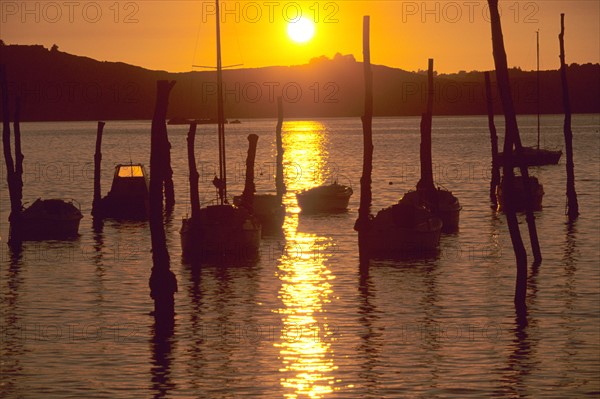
(302, 322)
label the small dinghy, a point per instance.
(51, 219)
(326, 198)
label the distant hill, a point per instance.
(58, 86)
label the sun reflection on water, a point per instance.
(305, 344)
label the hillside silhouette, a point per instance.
(55, 85)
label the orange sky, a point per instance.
(173, 35)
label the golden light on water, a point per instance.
(305, 344)
(305, 158)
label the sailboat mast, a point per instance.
(220, 114)
(538, 88)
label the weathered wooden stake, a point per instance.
(14, 238)
(249, 188)
(426, 182)
(364, 211)
(572, 204)
(168, 178)
(495, 181)
(98, 172)
(194, 176)
(19, 157)
(509, 139)
(163, 283)
(279, 182)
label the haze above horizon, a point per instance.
(175, 35)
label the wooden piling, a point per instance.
(14, 238)
(19, 157)
(194, 176)
(163, 283)
(98, 172)
(515, 138)
(426, 182)
(279, 182)
(249, 188)
(510, 137)
(168, 177)
(495, 181)
(572, 204)
(364, 212)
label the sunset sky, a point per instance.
(173, 35)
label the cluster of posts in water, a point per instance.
(410, 227)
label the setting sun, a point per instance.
(301, 30)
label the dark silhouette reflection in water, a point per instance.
(422, 327)
(98, 260)
(12, 328)
(162, 346)
(572, 343)
(370, 337)
(222, 295)
(521, 360)
(197, 358)
(430, 321)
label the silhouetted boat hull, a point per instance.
(185, 121)
(327, 198)
(442, 203)
(537, 190)
(221, 230)
(128, 196)
(532, 156)
(404, 229)
(51, 219)
(268, 209)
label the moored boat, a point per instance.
(519, 194)
(406, 228)
(50, 219)
(442, 203)
(268, 209)
(128, 196)
(222, 230)
(532, 156)
(326, 198)
(535, 156)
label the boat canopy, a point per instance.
(130, 171)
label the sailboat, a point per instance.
(222, 229)
(536, 156)
(269, 208)
(407, 228)
(441, 202)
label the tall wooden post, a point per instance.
(509, 139)
(98, 172)
(19, 157)
(279, 182)
(364, 211)
(495, 181)
(194, 195)
(168, 177)
(572, 204)
(14, 191)
(249, 188)
(163, 283)
(426, 182)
